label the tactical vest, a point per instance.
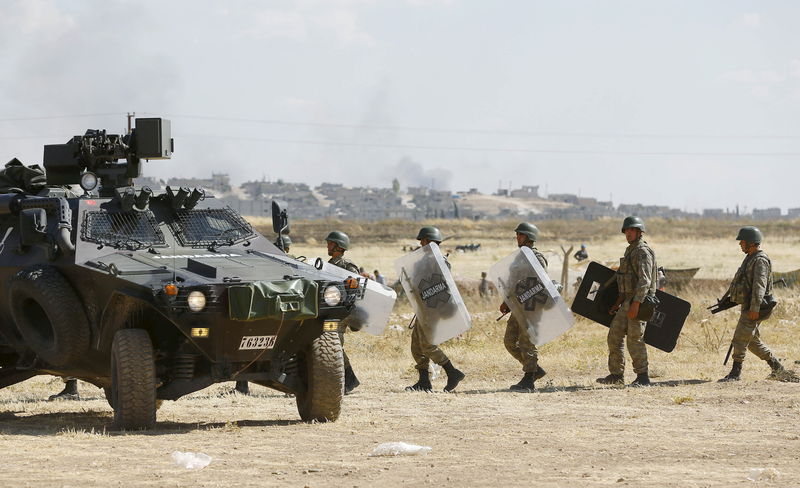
(741, 288)
(628, 272)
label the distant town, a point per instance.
(334, 200)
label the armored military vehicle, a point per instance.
(154, 296)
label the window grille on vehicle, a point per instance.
(210, 227)
(132, 230)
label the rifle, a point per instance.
(723, 303)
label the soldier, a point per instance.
(421, 349)
(581, 254)
(636, 279)
(483, 287)
(70, 391)
(752, 288)
(338, 242)
(286, 241)
(516, 339)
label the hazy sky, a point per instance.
(687, 103)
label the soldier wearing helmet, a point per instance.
(752, 288)
(338, 242)
(422, 350)
(516, 338)
(636, 278)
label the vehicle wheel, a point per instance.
(133, 380)
(322, 367)
(49, 315)
(110, 399)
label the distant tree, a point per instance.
(396, 186)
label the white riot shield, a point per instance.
(371, 313)
(531, 296)
(432, 292)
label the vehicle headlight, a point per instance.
(332, 295)
(196, 301)
(88, 181)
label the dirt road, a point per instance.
(691, 433)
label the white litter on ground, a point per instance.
(435, 370)
(191, 460)
(399, 449)
(758, 474)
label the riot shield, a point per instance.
(597, 294)
(371, 313)
(432, 292)
(531, 296)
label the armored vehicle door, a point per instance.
(531, 296)
(370, 313)
(432, 292)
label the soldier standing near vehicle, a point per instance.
(422, 350)
(752, 289)
(338, 242)
(70, 391)
(516, 339)
(636, 280)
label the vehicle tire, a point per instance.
(133, 380)
(49, 315)
(110, 398)
(322, 367)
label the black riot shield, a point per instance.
(596, 296)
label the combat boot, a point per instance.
(242, 388)
(780, 373)
(454, 376)
(350, 380)
(642, 379)
(540, 372)
(735, 374)
(612, 379)
(525, 384)
(423, 384)
(70, 392)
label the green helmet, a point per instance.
(431, 233)
(287, 242)
(340, 238)
(750, 234)
(633, 223)
(529, 230)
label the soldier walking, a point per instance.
(338, 242)
(70, 391)
(752, 288)
(636, 279)
(517, 341)
(422, 350)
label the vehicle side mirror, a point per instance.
(32, 226)
(280, 217)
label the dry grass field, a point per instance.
(687, 431)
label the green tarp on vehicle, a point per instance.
(291, 299)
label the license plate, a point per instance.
(257, 342)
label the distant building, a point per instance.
(794, 213)
(526, 192)
(713, 213)
(767, 213)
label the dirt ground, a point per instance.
(685, 432)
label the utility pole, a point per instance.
(130, 116)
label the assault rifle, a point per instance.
(722, 304)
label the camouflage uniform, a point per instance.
(636, 279)
(344, 263)
(752, 281)
(517, 340)
(422, 350)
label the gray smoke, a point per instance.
(411, 173)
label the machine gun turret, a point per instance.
(95, 156)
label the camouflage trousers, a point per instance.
(622, 327)
(747, 337)
(341, 340)
(518, 344)
(423, 351)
